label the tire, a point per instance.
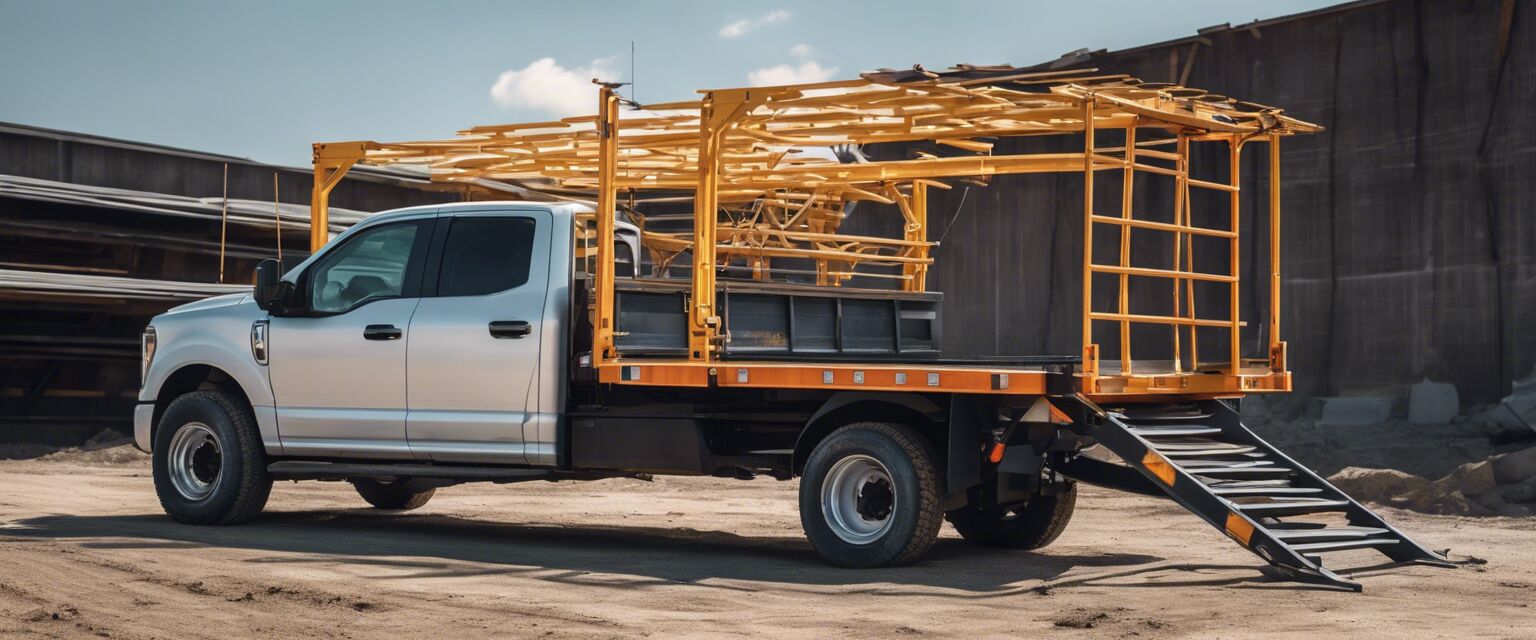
(1031, 526)
(398, 495)
(209, 464)
(887, 513)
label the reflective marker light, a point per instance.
(146, 353)
(259, 341)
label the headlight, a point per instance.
(146, 353)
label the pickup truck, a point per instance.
(437, 345)
(433, 346)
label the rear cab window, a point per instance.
(485, 255)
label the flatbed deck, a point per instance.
(848, 376)
(1054, 377)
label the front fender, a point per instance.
(217, 337)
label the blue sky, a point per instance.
(265, 79)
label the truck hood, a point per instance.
(226, 300)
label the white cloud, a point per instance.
(741, 27)
(802, 51)
(546, 86)
(808, 71)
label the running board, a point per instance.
(317, 470)
(1244, 487)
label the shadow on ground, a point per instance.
(427, 546)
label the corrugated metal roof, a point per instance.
(253, 213)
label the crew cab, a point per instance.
(431, 346)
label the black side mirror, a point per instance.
(270, 292)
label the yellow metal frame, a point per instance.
(1198, 378)
(734, 150)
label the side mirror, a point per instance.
(270, 288)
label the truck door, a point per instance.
(338, 370)
(474, 350)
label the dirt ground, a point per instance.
(85, 551)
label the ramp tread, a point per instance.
(1295, 506)
(1342, 545)
(1326, 533)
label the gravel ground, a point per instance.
(85, 551)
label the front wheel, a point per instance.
(870, 496)
(1034, 524)
(209, 464)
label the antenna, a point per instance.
(632, 97)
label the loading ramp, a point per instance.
(1202, 456)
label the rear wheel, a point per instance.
(209, 465)
(1031, 525)
(870, 496)
(401, 495)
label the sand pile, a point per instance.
(105, 448)
(1503, 485)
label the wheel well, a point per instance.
(872, 410)
(193, 377)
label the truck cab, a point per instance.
(430, 333)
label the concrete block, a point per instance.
(1355, 411)
(1521, 401)
(1433, 403)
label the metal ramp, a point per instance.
(1202, 456)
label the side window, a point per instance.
(371, 265)
(485, 255)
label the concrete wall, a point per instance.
(1409, 241)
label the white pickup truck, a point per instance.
(432, 346)
(436, 345)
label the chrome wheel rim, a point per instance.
(858, 499)
(195, 461)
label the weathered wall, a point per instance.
(69, 367)
(1409, 244)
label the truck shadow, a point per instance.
(427, 545)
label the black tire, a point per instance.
(235, 469)
(399, 495)
(913, 511)
(1031, 526)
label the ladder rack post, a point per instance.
(918, 273)
(1236, 147)
(1180, 192)
(332, 162)
(1129, 182)
(603, 268)
(1090, 350)
(717, 110)
(1276, 359)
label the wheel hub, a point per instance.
(194, 461)
(858, 499)
(875, 500)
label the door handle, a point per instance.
(510, 329)
(382, 332)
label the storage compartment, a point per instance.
(652, 445)
(651, 322)
(778, 320)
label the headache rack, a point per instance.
(770, 173)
